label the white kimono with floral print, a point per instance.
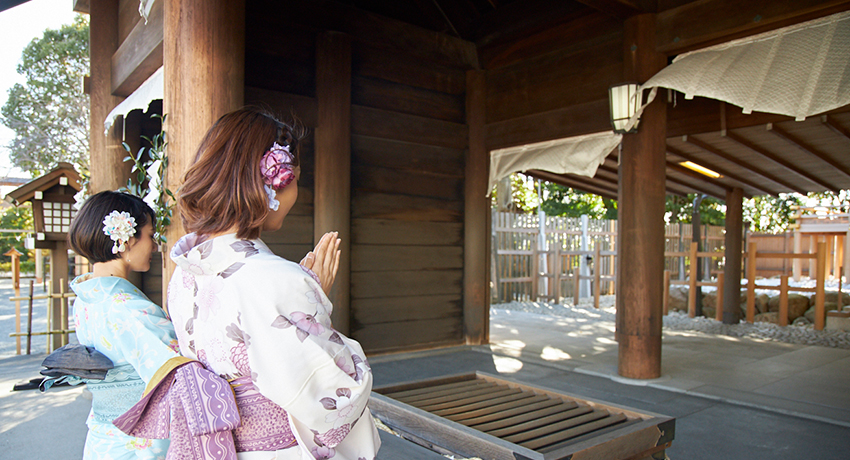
(243, 311)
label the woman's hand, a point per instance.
(323, 260)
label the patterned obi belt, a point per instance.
(206, 417)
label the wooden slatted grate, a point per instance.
(534, 420)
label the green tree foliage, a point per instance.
(11, 219)
(565, 201)
(681, 209)
(771, 214)
(49, 113)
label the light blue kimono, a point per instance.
(118, 320)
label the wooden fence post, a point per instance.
(783, 300)
(596, 276)
(16, 284)
(557, 273)
(820, 313)
(692, 274)
(751, 282)
(535, 271)
(577, 280)
(718, 310)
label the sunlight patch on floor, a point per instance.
(506, 365)
(508, 347)
(554, 354)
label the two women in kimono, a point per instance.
(114, 231)
(257, 319)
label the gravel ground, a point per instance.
(679, 321)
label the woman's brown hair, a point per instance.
(86, 235)
(223, 189)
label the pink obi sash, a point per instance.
(204, 417)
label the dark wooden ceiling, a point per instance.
(763, 154)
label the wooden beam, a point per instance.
(731, 295)
(332, 188)
(197, 95)
(640, 239)
(139, 55)
(590, 117)
(476, 217)
(733, 159)
(721, 170)
(724, 20)
(571, 182)
(108, 170)
(693, 186)
(772, 157)
(835, 127)
(802, 145)
(618, 9)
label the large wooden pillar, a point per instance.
(476, 225)
(641, 215)
(204, 65)
(734, 247)
(332, 192)
(106, 157)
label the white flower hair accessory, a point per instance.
(119, 226)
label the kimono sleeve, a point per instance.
(137, 329)
(320, 377)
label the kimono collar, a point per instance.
(93, 289)
(201, 256)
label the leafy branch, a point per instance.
(149, 167)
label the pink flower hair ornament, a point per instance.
(277, 169)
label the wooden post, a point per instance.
(108, 170)
(58, 275)
(204, 65)
(719, 307)
(576, 285)
(641, 214)
(332, 188)
(731, 293)
(596, 276)
(820, 312)
(693, 268)
(29, 317)
(846, 252)
(840, 302)
(16, 284)
(751, 282)
(557, 273)
(535, 271)
(798, 249)
(813, 241)
(665, 302)
(783, 300)
(63, 313)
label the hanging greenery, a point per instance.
(149, 167)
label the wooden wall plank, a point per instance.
(390, 310)
(724, 20)
(404, 155)
(556, 82)
(267, 71)
(376, 258)
(139, 55)
(405, 208)
(402, 283)
(588, 29)
(409, 334)
(332, 161)
(382, 94)
(405, 182)
(406, 69)
(303, 107)
(290, 252)
(586, 118)
(367, 121)
(384, 231)
(128, 16)
(397, 37)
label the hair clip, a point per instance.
(119, 226)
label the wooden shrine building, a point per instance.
(405, 100)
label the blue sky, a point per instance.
(18, 26)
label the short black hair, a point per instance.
(86, 235)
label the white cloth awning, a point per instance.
(574, 155)
(152, 89)
(799, 71)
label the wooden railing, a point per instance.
(64, 302)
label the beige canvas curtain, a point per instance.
(576, 155)
(799, 71)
